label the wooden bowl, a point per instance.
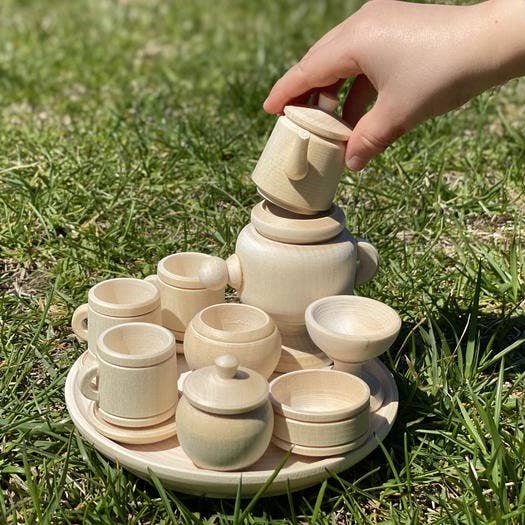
(312, 434)
(352, 329)
(319, 395)
(242, 330)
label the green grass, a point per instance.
(128, 131)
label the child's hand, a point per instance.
(419, 60)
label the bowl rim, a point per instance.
(263, 330)
(188, 282)
(327, 416)
(313, 323)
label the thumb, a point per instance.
(373, 133)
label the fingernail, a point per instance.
(356, 163)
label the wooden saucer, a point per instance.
(320, 452)
(132, 436)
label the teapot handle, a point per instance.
(367, 261)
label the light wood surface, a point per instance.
(123, 297)
(173, 467)
(319, 121)
(321, 434)
(276, 173)
(319, 396)
(242, 330)
(233, 323)
(179, 305)
(133, 436)
(316, 452)
(225, 387)
(224, 442)
(135, 375)
(182, 269)
(283, 279)
(352, 329)
(298, 351)
(285, 226)
(130, 296)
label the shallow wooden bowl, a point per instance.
(314, 434)
(350, 328)
(319, 395)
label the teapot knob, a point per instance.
(213, 274)
(226, 366)
(216, 273)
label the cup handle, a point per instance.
(85, 382)
(79, 322)
(368, 261)
(153, 279)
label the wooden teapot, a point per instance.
(284, 261)
(303, 160)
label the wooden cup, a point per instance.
(182, 294)
(114, 302)
(136, 375)
(241, 330)
(351, 330)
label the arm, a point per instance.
(419, 60)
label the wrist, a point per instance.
(504, 41)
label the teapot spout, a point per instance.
(216, 273)
(297, 165)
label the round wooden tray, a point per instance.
(171, 465)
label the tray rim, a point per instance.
(209, 483)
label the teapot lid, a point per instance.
(319, 120)
(225, 387)
(282, 225)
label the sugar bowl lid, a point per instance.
(278, 224)
(225, 387)
(320, 119)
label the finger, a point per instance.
(374, 132)
(361, 95)
(324, 67)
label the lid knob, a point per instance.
(327, 101)
(226, 366)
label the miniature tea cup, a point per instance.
(135, 375)
(224, 418)
(182, 294)
(114, 302)
(352, 330)
(241, 330)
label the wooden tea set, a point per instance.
(209, 395)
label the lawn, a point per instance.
(128, 131)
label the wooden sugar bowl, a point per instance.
(283, 261)
(241, 330)
(224, 418)
(303, 160)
